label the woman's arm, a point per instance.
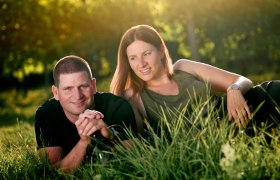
(222, 81)
(219, 79)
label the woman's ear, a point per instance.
(55, 92)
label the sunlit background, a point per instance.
(237, 35)
(241, 36)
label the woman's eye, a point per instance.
(131, 58)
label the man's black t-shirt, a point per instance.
(52, 127)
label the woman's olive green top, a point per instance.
(191, 91)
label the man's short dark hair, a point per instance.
(68, 65)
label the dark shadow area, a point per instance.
(28, 82)
(9, 119)
(21, 104)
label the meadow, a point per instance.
(212, 148)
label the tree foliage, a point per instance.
(38, 33)
(240, 36)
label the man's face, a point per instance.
(75, 93)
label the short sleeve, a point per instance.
(117, 111)
(45, 129)
(125, 117)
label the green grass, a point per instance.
(210, 148)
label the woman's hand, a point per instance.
(238, 108)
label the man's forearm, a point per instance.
(74, 158)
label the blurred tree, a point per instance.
(38, 32)
(233, 34)
(241, 36)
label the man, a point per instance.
(66, 124)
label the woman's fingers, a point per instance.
(240, 116)
(238, 109)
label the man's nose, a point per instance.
(78, 93)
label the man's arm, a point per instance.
(70, 162)
(88, 123)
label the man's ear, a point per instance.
(94, 85)
(55, 92)
(162, 49)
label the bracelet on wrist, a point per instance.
(233, 87)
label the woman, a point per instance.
(146, 77)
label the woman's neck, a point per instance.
(164, 85)
(162, 80)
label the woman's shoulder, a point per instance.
(182, 62)
(185, 65)
(196, 68)
(128, 93)
(132, 96)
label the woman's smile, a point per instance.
(145, 70)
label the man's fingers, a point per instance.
(89, 122)
(82, 125)
(94, 114)
(89, 126)
(81, 119)
(89, 129)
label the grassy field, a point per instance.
(210, 149)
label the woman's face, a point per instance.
(145, 60)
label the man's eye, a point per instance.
(84, 86)
(147, 53)
(68, 89)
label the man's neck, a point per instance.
(72, 118)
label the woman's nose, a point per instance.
(142, 62)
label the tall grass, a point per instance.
(203, 146)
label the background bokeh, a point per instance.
(236, 35)
(241, 36)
